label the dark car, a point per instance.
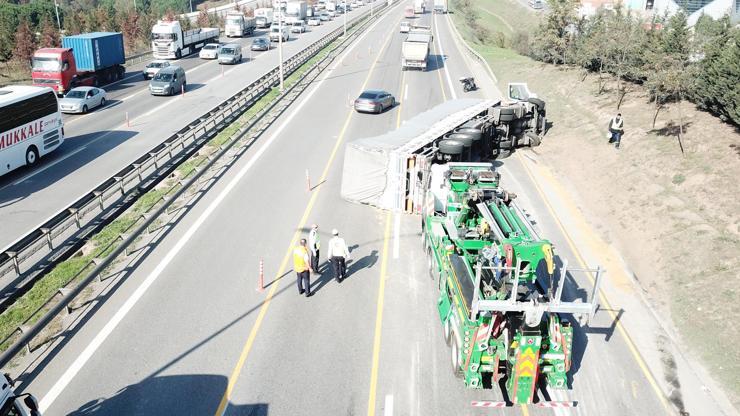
(374, 101)
(260, 44)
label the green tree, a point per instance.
(717, 88)
(203, 18)
(677, 37)
(556, 34)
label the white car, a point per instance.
(314, 21)
(82, 100)
(153, 67)
(405, 27)
(331, 13)
(298, 27)
(360, 3)
(209, 51)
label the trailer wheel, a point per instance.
(447, 331)
(430, 263)
(178, 54)
(455, 355)
(32, 156)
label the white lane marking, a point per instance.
(388, 411)
(121, 313)
(396, 235)
(157, 108)
(442, 52)
(406, 92)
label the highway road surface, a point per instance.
(101, 143)
(187, 333)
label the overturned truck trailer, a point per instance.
(391, 171)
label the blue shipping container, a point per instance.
(96, 51)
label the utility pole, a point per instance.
(280, 50)
(372, 8)
(56, 10)
(191, 6)
(345, 17)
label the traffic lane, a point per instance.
(597, 349)
(25, 193)
(223, 261)
(328, 337)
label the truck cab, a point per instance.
(55, 68)
(276, 34)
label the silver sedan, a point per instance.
(82, 100)
(374, 101)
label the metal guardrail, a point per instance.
(131, 183)
(131, 60)
(473, 51)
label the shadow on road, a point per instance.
(188, 394)
(13, 192)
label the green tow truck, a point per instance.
(499, 290)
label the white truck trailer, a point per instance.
(440, 6)
(238, 25)
(264, 17)
(415, 50)
(169, 41)
(295, 10)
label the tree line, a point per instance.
(674, 61)
(26, 26)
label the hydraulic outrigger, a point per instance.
(500, 295)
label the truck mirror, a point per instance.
(31, 403)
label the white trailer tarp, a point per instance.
(374, 170)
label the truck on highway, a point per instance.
(295, 11)
(89, 59)
(263, 17)
(169, 41)
(415, 49)
(499, 290)
(408, 12)
(331, 6)
(419, 6)
(440, 6)
(238, 25)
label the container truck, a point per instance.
(238, 25)
(263, 17)
(295, 10)
(89, 59)
(169, 41)
(415, 50)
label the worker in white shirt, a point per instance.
(314, 244)
(616, 130)
(338, 255)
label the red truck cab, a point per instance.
(56, 68)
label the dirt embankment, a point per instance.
(674, 215)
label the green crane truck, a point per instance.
(499, 293)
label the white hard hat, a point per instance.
(334, 232)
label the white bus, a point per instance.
(30, 125)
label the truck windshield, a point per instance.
(163, 36)
(233, 21)
(163, 77)
(46, 64)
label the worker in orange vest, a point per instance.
(302, 267)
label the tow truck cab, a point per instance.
(12, 404)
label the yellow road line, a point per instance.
(607, 306)
(274, 287)
(525, 411)
(379, 319)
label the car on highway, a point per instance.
(209, 51)
(153, 67)
(332, 13)
(536, 4)
(314, 21)
(359, 3)
(324, 16)
(405, 27)
(169, 81)
(82, 99)
(260, 44)
(374, 101)
(276, 35)
(298, 27)
(231, 53)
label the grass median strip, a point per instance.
(27, 309)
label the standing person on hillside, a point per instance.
(616, 129)
(314, 244)
(302, 267)
(338, 255)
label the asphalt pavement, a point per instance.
(102, 142)
(188, 333)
